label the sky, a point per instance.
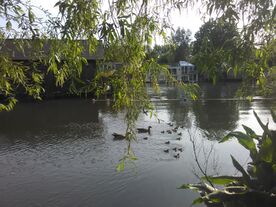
(188, 19)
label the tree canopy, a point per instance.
(217, 48)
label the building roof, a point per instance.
(11, 48)
(185, 63)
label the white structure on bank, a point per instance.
(184, 71)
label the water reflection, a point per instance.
(216, 117)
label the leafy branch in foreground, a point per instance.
(256, 186)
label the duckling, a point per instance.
(170, 124)
(174, 149)
(177, 156)
(166, 150)
(117, 136)
(169, 131)
(180, 149)
(143, 130)
(162, 132)
(168, 142)
(180, 134)
(178, 138)
(145, 138)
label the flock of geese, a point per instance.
(174, 130)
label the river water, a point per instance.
(61, 152)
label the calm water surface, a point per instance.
(61, 152)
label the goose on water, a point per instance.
(117, 136)
(143, 130)
(166, 150)
(168, 142)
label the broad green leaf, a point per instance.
(243, 139)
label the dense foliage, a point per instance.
(217, 48)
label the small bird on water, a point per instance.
(117, 136)
(177, 156)
(143, 130)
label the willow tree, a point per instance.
(126, 28)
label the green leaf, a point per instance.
(222, 180)
(264, 127)
(121, 166)
(238, 166)
(243, 139)
(250, 132)
(197, 201)
(31, 16)
(266, 150)
(273, 114)
(190, 186)
(8, 25)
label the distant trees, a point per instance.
(176, 49)
(182, 41)
(217, 48)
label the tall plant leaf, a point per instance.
(238, 166)
(250, 132)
